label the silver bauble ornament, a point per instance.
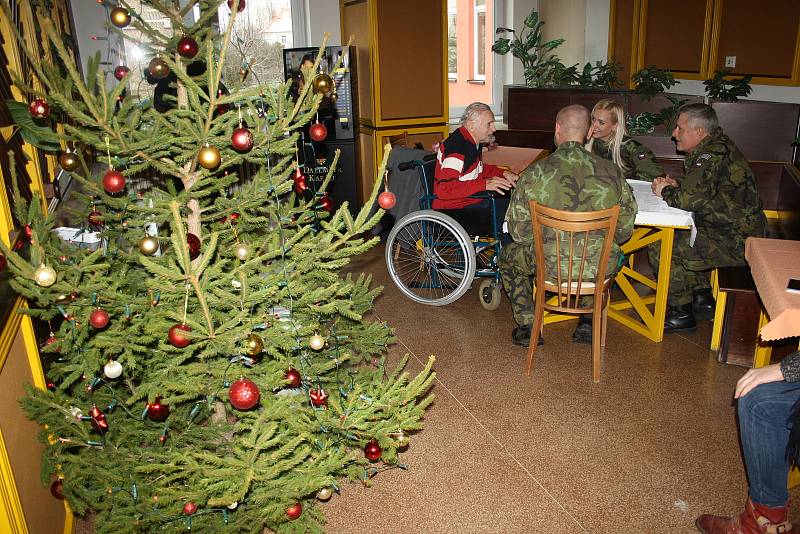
(241, 251)
(324, 494)
(44, 276)
(113, 369)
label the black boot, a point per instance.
(522, 336)
(583, 332)
(704, 304)
(679, 319)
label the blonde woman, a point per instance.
(609, 140)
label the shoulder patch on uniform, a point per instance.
(701, 158)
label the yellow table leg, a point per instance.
(649, 324)
(763, 352)
(719, 317)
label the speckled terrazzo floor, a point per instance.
(649, 448)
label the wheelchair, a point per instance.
(430, 254)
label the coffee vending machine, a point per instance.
(337, 113)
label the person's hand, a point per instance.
(511, 177)
(755, 377)
(499, 184)
(661, 182)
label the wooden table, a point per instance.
(772, 263)
(514, 158)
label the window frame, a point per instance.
(476, 11)
(452, 10)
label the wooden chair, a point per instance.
(566, 280)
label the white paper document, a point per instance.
(654, 211)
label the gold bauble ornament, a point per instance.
(44, 276)
(316, 342)
(157, 68)
(148, 245)
(241, 251)
(322, 83)
(208, 157)
(254, 345)
(402, 440)
(68, 161)
(120, 17)
(324, 494)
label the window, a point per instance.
(479, 41)
(452, 47)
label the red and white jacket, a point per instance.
(460, 171)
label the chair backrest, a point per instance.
(572, 252)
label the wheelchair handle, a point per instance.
(406, 165)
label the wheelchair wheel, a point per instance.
(489, 294)
(430, 258)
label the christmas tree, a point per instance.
(212, 367)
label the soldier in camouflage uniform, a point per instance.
(609, 140)
(569, 179)
(718, 186)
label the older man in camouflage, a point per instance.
(718, 186)
(569, 179)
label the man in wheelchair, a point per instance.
(463, 182)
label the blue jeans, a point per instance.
(765, 420)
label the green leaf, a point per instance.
(33, 134)
(532, 20)
(501, 46)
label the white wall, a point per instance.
(597, 26)
(90, 19)
(323, 16)
(565, 19)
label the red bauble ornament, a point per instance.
(240, 8)
(50, 340)
(325, 202)
(372, 451)
(57, 489)
(294, 511)
(99, 318)
(242, 139)
(95, 218)
(194, 245)
(318, 397)
(294, 378)
(99, 422)
(189, 508)
(39, 108)
(113, 182)
(120, 72)
(234, 217)
(387, 200)
(187, 47)
(300, 185)
(157, 411)
(318, 132)
(244, 394)
(175, 336)
(28, 231)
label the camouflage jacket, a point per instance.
(640, 162)
(718, 186)
(572, 178)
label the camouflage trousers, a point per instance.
(517, 271)
(691, 266)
